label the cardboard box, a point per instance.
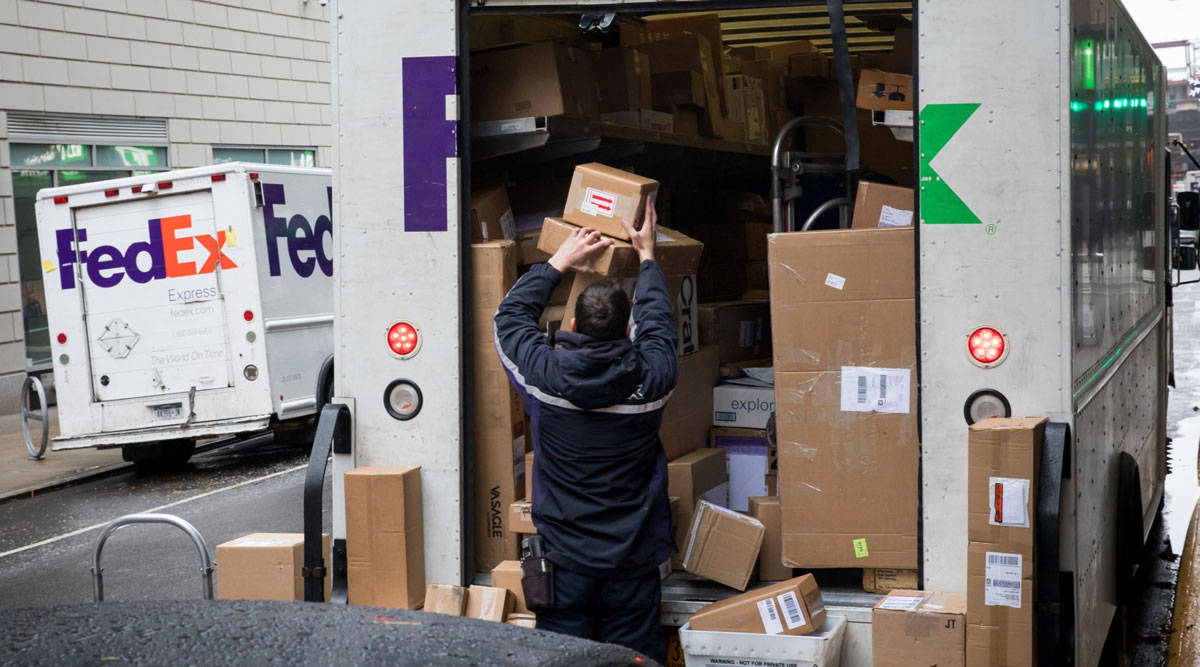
(488, 603)
(495, 31)
(622, 79)
(545, 79)
(879, 205)
(491, 216)
(385, 543)
(1002, 473)
(884, 580)
(675, 253)
(723, 545)
(265, 566)
(692, 52)
(741, 330)
(773, 483)
(723, 243)
(792, 607)
(911, 627)
(692, 475)
(601, 197)
(770, 557)
(747, 456)
(527, 248)
(847, 479)
(522, 620)
(646, 119)
(747, 106)
(882, 91)
(446, 599)
(742, 406)
(520, 518)
(507, 575)
(843, 298)
(811, 65)
(706, 25)
(750, 53)
(672, 90)
(685, 421)
(528, 475)
(499, 418)
(686, 121)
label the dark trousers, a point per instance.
(615, 611)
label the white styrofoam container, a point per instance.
(820, 649)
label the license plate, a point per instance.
(168, 411)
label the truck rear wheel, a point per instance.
(159, 456)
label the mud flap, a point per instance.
(333, 434)
(1055, 587)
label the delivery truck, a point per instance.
(1032, 134)
(188, 304)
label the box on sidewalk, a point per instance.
(602, 197)
(911, 627)
(265, 566)
(385, 543)
(687, 418)
(507, 575)
(879, 205)
(742, 406)
(741, 330)
(446, 599)
(770, 558)
(748, 459)
(723, 545)
(491, 215)
(792, 607)
(543, 79)
(488, 603)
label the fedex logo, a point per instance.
(305, 242)
(108, 265)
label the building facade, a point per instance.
(97, 89)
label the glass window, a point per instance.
(237, 155)
(26, 183)
(131, 156)
(292, 157)
(51, 155)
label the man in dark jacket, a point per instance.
(595, 405)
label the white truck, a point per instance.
(1041, 215)
(188, 304)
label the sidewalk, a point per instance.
(21, 476)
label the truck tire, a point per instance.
(159, 456)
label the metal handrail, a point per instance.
(198, 539)
(34, 383)
(836, 202)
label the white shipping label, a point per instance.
(835, 281)
(793, 615)
(770, 617)
(598, 202)
(1002, 580)
(902, 602)
(746, 333)
(895, 217)
(1008, 502)
(866, 389)
(508, 224)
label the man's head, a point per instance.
(602, 311)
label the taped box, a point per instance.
(693, 477)
(507, 575)
(883, 91)
(446, 599)
(723, 545)
(687, 418)
(544, 79)
(792, 607)
(488, 603)
(385, 543)
(911, 627)
(265, 566)
(622, 80)
(741, 330)
(603, 197)
(879, 205)
(770, 557)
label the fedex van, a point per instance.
(188, 304)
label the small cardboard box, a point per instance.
(747, 454)
(692, 475)
(911, 627)
(522, 620)
(385, 543)
(675, 253)
(646, 119)
(741, 330)
(507, 575)
(544, 79)
(687, 418)
(520, 518)
(723, 545)
(741, 406)
(770, 558)
(884, 580)
(622, 80)
(265, 566)
(601, 197)
(884, 91)
(491, 215)
(488, 603)
(879, 205)
(446, 599)
(792, 607)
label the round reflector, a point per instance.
(402, 399)
(987, 346)
(403, 339)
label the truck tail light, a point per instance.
(112, 193)
(253, 175)
(248, 315)
(403, 339)
(61, 199)
(987, 346)
(165, 185)
(217, 178)
(136, 189)
(62, 338)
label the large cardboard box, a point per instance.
(265, 566)
(748, 458)
(911, 627)
(675, 253)
(1002, 473)
(723, 545)
(665, 26)
(742, 406)
(687, 417)
(884, 91)
(491, 216)
(792, 607)
(545, 79)
(770, 558)
(602, 197)
(498, 423)
(446, 599)
(508, 575)
(694, 474)
(488, 603)
(623, 80)
(385, 540)
(879, 205)
(843, 298)
(741, 330)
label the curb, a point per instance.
(1184, 647)
(74, 478)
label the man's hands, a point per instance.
(577, 252)
(643, 239)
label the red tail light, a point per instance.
(61, 199)
(165, 185)
(987, 346)
(111, 193)
(217, 178)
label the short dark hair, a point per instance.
(602, 311)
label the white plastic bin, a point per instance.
(820, 649)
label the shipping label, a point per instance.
(598, 202)
(1008, 502)
(770, 617)
(835, 281)
(902, 602)
(866, 389)
(895, 217)
(1002, 580)
(793, 614)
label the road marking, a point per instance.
(98, 526)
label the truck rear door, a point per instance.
(150, 274)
